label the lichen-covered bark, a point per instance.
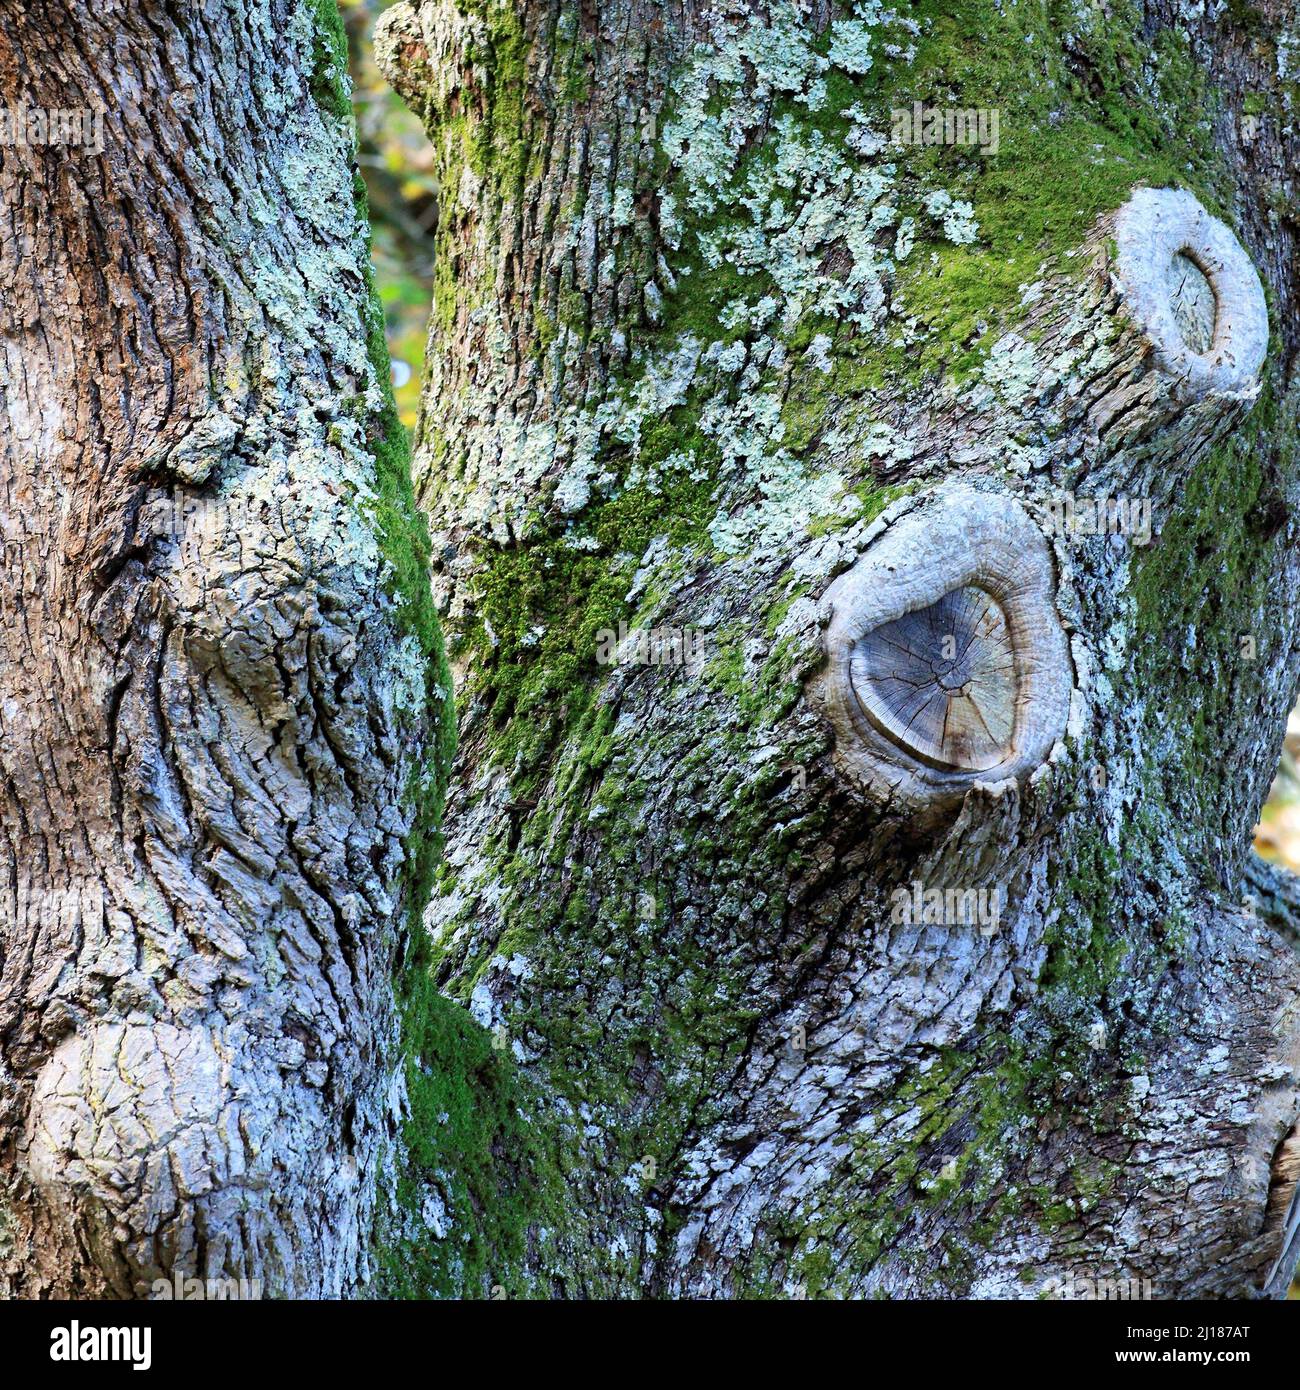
(219, 681)
(700, 333)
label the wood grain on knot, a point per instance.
(940, 681)
(1194, 304)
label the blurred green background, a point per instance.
(1277, 836)
(397, 163)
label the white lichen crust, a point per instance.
(955, 538)
(1153, 228)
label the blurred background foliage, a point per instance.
(397, 164)
(1277, 836)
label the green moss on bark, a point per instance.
(476, 1178)
(330, 83)
(1081, 125)
(468, 1156)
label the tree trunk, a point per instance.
(219, 678)
(720, 353)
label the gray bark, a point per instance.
(211, 699)
(704, 346)
(664, 391)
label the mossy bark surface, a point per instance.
(699, 327)
(224, 710)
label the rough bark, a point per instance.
(218, 663)
(701, 337)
